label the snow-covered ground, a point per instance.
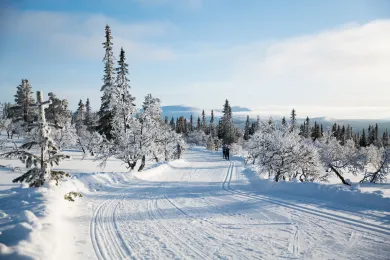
(198, 207)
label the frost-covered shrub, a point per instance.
(283, 154)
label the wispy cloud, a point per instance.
(344, 67)
(82, 34)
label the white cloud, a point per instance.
(344, 72)
(82, 34)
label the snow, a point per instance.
(198, 207)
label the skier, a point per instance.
(227, 150)
(224, 151)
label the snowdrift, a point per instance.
(334, 194)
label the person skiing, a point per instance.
(224, 151)
(227, 151)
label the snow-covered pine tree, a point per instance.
(307, 128)
(24, 101)
(385, 139)
(246, 129)
(228, 128)
(204, 124)
(284, 123)
(121, 99)
(106, 109)
(57, 112)
(363, 139)
(212, 126)
(198, 125)
(172, 124)
(88, 121)
(79, 118)
(257, 123)
(39, 165)
(191, 124)
(293, 118)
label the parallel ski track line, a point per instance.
(231, 249)
(314, 212)
(155, 213)
(113, 244)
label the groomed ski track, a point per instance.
(203, 207)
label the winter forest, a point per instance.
(42, 132)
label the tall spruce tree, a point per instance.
(191, 124)
(24, 101)
(293, 119)
(106, 110)
(212, 126)
(80, 114)
(172, 124)
(198, 125)
(284, 123)
(122, 100)
(363, 139)
(246, 129)
(385, 139)
(88, 121)
(228, 129)
(204, 124)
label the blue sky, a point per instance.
(325, 58)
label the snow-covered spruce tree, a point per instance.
(204, 124)
(105, 113)
(191, 124)
(338, 158)
(212, 129)
(378, 164)
(121, 99)
(228, 131)
(57, 112)
(88, 120)
(39, 165)
(79, 117)
(293, 118)
(246, 129)
(24, 101)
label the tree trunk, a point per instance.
(339, 175)
(141, 167)
(131, 165)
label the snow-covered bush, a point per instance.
(377, 164)
(65, 137)
(236, 149)
(144, 135)
(197, 138)
(338, 158)
(283, 154)
(89, 142)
